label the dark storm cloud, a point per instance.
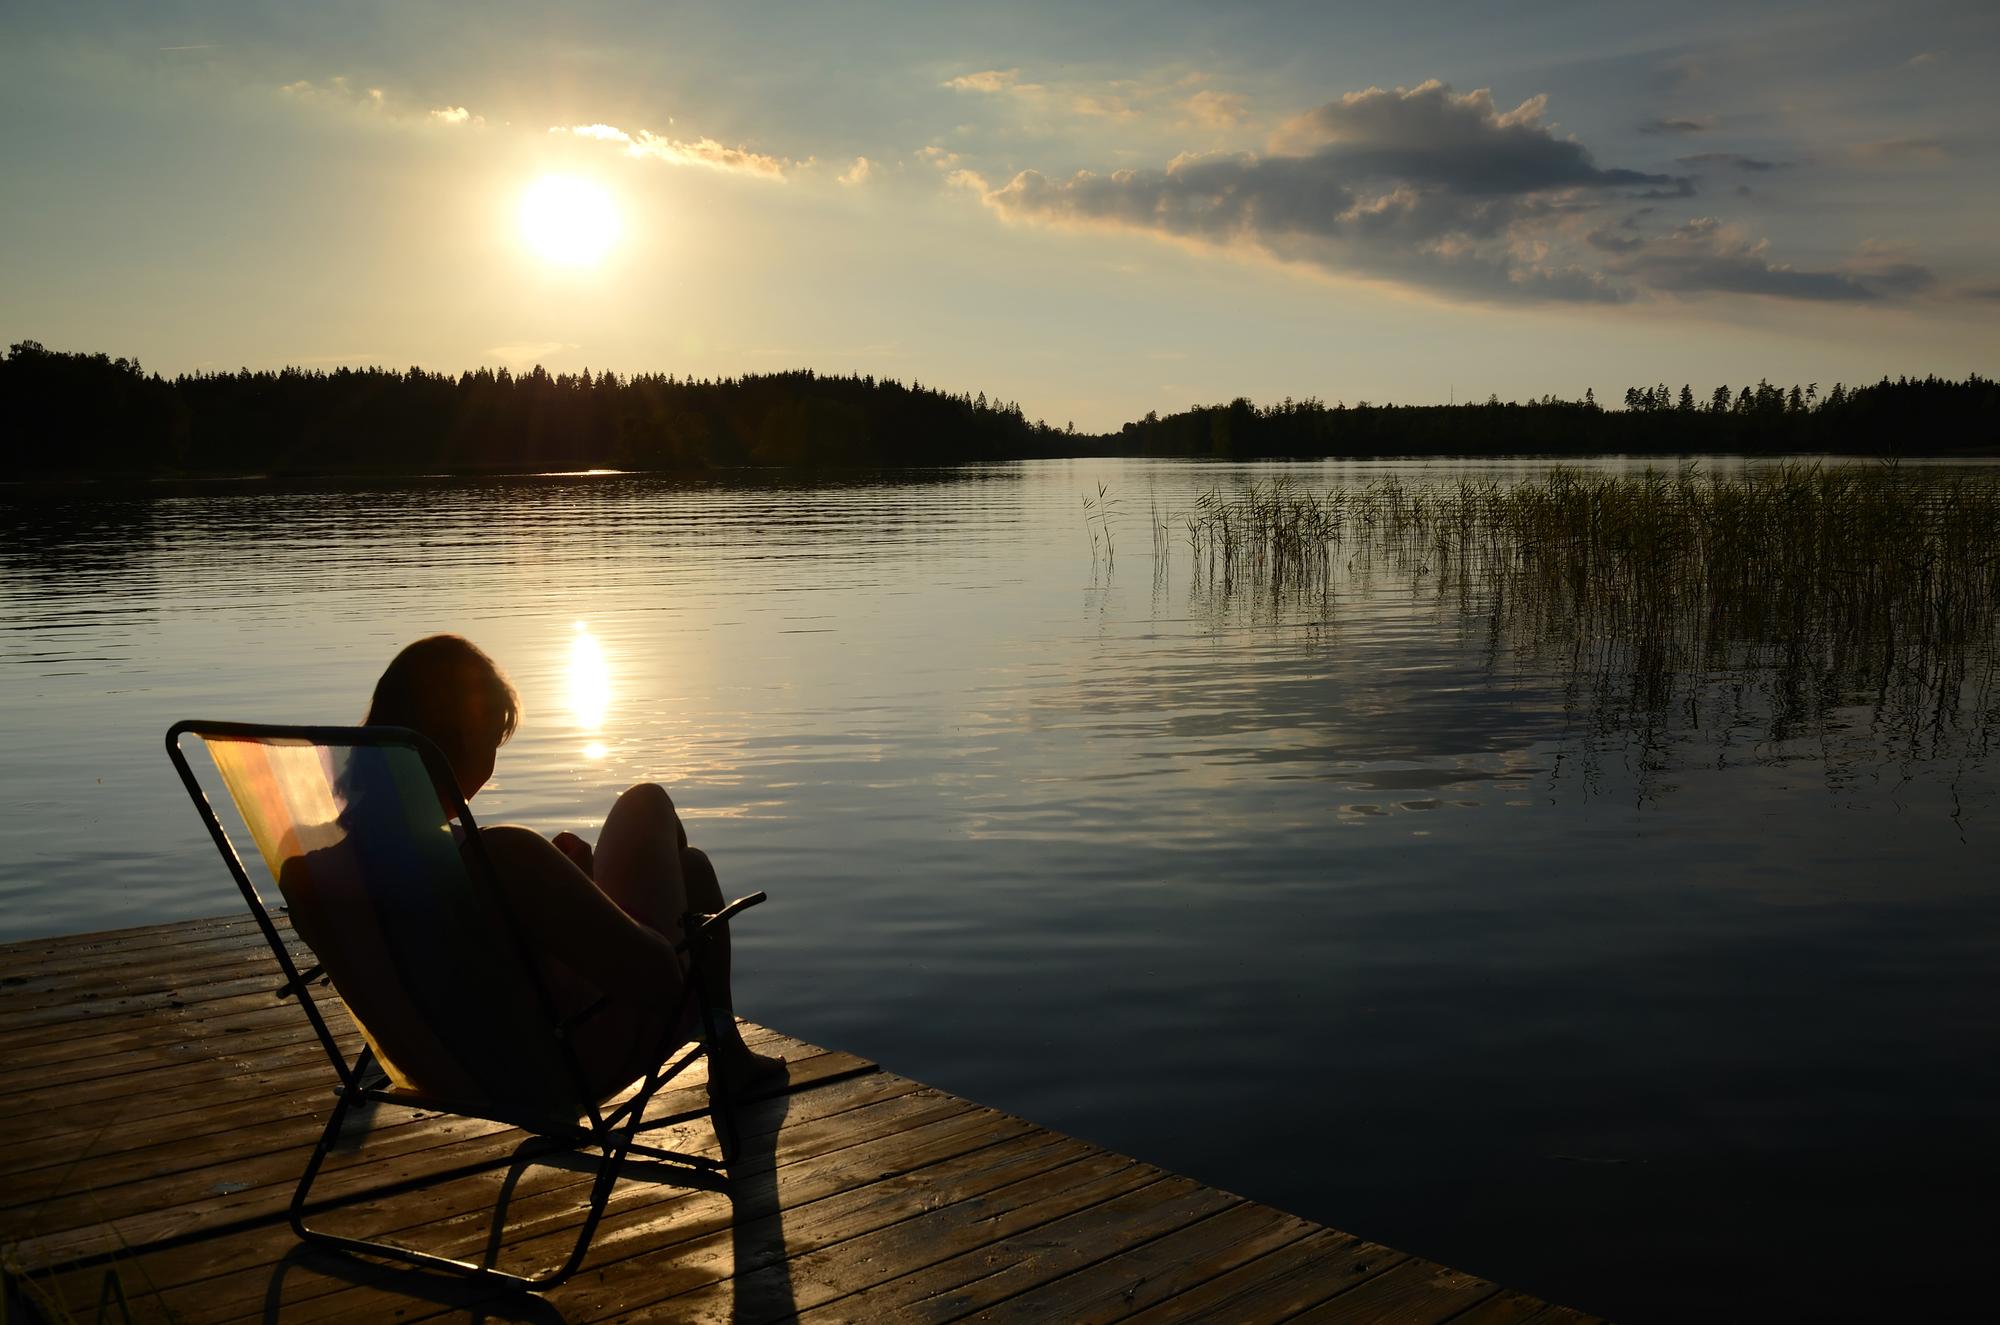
(1430, 135)
(1444, 191)
(1423, 185)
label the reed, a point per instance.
(1671, 601)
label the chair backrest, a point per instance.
(399, 907)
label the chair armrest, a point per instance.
(695, 925)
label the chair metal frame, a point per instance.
(613, 1133)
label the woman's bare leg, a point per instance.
(571, 919)
(638, 860)
(644, 864)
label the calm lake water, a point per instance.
(1332, 901)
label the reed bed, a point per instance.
(1758, 606)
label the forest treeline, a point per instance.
(1907, 416)
(69, 415)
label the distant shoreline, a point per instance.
(93, 419)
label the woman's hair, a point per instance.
(446, 688)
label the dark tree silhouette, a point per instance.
(83, 414)
(89, 415)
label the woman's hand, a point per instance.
(576, 849)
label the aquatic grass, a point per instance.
(1759, 605)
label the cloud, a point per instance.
(336, 91)
(991, 80)
(1422, 186)
(941, 157)
(1899, 149)
(1735, 160)
(1444, 191)
(341, 93)
(704, 152)
(1706, 256)
(1457, 141)
(1210, 109)
(1181, 101)
(1676, 126)
(1102, 106)
(1889, 269)
(859, 172)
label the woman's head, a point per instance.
(446, 688)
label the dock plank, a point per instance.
(158, 1100)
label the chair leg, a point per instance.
(721, 1111)
(612, 1158)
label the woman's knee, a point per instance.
(647, 809)
(645, 798)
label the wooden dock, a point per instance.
(158, 1101)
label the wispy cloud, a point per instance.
(857, 173)
(1102, 105)
(342, 93)
(1181, 100)
(336, 91)
(704, 152)
(1682, 125)
(1210, 109)
(1922, 150)
(1704, 256)
(1734, 160)
(992, 80)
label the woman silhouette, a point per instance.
(604, 922)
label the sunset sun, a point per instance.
(568, 221)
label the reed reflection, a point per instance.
(1855, 613)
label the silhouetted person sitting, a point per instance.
(603, 921)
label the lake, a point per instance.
(1346, 900)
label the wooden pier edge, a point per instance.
(158, 1102)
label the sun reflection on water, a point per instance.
(587, 680)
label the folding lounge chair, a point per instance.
(403, 917)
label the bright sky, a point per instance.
(1096, 210)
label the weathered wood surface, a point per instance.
(157, 1102)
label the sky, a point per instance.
(1093, 210)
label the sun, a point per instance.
(568, 221)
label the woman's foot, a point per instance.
(734, 1071)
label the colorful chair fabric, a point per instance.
(380, 866)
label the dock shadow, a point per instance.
(451, 1292)
(761, 1279)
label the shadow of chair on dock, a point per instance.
(756, 1272)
